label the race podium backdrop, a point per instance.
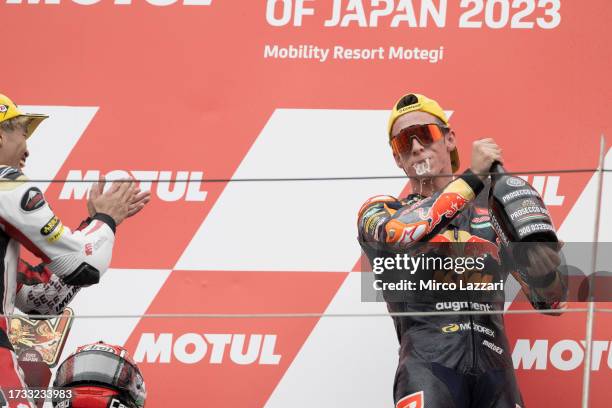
(210, 102)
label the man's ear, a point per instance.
(450, 140)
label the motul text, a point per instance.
(169, 185)
(565, 355)
(191, 348)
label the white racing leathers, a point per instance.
(73, 258)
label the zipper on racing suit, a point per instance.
(474, 356)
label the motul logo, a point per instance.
(191, 348)
(116, 2)
(565, 355)
(185, 185)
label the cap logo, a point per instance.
(409, 108)
(4, 109)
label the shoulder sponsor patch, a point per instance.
(373, 200)
(371, 211)
(50, 226)
(32, 199)
(57, 234)
(373, 222)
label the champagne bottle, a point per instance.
(518, 213)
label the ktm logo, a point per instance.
(167, 185)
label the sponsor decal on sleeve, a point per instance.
(56, 235)
(50, 226)
(32, 199)
(371, 211)
(373, 222)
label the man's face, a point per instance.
(423, 161)
(13, 147)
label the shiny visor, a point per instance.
(102, 368)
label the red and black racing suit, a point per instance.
(446, 361)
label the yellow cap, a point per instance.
(8, 110)
(417, 102)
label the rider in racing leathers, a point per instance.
(71, 259)
(449, 361)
